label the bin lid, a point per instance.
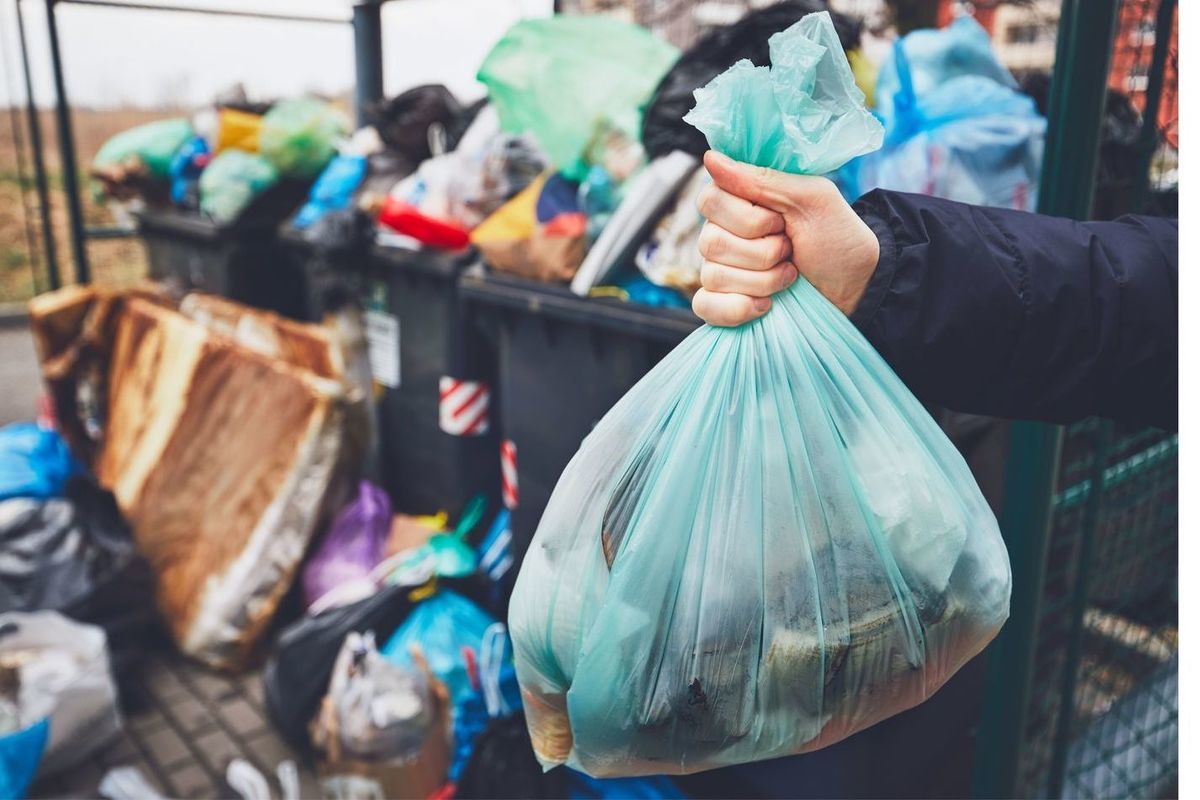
(438, 263)
(558, 302)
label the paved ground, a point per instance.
(188, 724)
(19, 380)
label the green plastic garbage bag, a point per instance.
(231, 181)
(572, 79)
(154, 143)
(299, 135)
(767, 544)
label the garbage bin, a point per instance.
(434, 379)
(562, 362)
(242, 261)
(324, 279)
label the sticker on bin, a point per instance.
(508, 473)
(383, 347)
(463, 408)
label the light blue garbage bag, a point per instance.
(935, 56)
(20, 754)
(442, 626)
(767, 544)
(956, 126)
(34, 462)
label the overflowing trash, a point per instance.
(745, 560)
(224, 162)
(761, 549)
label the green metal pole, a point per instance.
(1065, 731)
(1077, 94)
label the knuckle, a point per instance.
(773, 251)
(783, 277)
(706, 201)
(712, 277)
(712, 243)
(741, 309)
(763, 223)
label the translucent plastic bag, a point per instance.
(767, 544)
(231, 181)
(956, 125)
(64, 675)
(441, 627)
(569, 80)
(382, 710)
(154, 144)
(340, 572)
(299, 135)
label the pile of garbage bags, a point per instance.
(225, 161)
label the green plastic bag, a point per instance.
(299, 136)
(231, 181)
(155, 143)
(571, 79)
(803, 114)
(767, 545)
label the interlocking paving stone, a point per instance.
(186, 725)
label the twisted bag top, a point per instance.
(767, 544)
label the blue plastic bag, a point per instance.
(442, 626)
(186, 166)
(20, 755)
(934, 57)
(767, 545)
(498, 695)
(34, 462)
(333, 190)
(956, 125)
(653, 787)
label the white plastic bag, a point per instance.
(65, 675)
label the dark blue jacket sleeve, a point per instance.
(998, 312)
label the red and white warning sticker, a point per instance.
(463, 408)
(508, 473)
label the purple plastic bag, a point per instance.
(340, 571)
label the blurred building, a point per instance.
(1133, 52)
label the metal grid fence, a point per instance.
(1102, 716)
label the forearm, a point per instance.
(1019, 315)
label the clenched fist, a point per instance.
(765, 228)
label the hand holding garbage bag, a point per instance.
(767, 545)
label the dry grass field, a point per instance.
(112, 261)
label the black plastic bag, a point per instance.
(502, 765)
(297, 674)
(663, 128)
(403, 122)
(76, 555)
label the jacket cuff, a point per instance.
(881, 281)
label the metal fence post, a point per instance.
(66, 149)
(368, 56)
(1077, 97)
(39, 159)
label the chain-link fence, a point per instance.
(1103, 714)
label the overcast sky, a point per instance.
(115, 57)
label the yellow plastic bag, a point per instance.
(238, 130)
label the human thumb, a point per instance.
(769, 188)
